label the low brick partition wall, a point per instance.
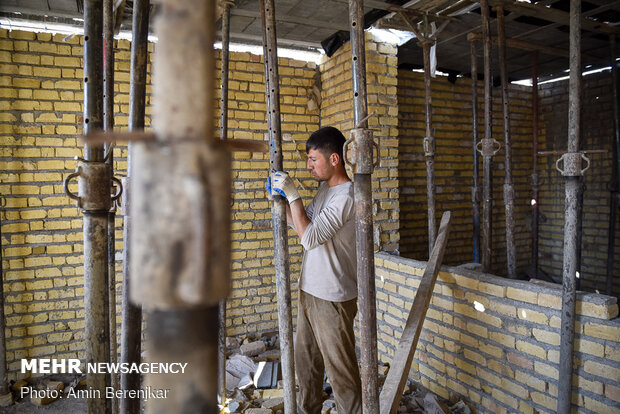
(495, 342)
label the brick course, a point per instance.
(498, 361)
(41, 103)
(452, 128)
(597, 133)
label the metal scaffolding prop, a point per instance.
(488, 146)
(535, 178)
(509, 189)
(180, 210)
(6, 397)
(426, 40)
(108, 127)
(475, 192)
(573, 171)
(223, 135)
(131, 324)
(278, 206)
(615, 175)
(95, 201)
(363, 164)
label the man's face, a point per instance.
(319, 165)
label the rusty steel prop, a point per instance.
(509, 188)
(4, 380)
(131, 315)
(615, 175)
(278, 206)
(223, 135)
(180, 212)
(573, 171)
(488, 147)
(108, 126)
(535, 178)
(363, 165)
(95, 201)
(475, 191)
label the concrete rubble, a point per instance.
(244, 359)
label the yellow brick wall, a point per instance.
(252, 306)
(337, 110)
(41, 103)
(597, 134)
(503, 359)
(452, 126)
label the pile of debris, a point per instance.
(254, 386)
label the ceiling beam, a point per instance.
(258, 40)
(554, 15)
(523, 45)
(40, 13)
(319, 24)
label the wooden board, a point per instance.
(399, 369)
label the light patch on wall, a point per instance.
(43, 27)
(528, 82)
(523, 314)
(533, 202)
(303, 55)
(479, 306)
(392, 36)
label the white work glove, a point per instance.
(283, 184)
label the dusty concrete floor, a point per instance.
(61, 406)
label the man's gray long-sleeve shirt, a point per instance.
(329, 266)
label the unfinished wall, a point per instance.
(41, 103)
(494, 342)
(337, 110)
(452, 126)
(597, 133)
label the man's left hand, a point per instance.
(283, 184)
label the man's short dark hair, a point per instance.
(328, 140)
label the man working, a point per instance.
(328, 283)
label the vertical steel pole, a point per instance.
(487, 206)
(131, 324)
(223, 136)
(429, 144)
(96, 304)
(182, 275)
(535, 163)
(278, 205)
(363, 219)
(475, 194)
(4, 379)
(573, 187)
(615, 170)
(509, 189)
(108, 126)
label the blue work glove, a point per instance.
(283, 185)
(270, 191)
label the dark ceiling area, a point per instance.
(536, 26)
